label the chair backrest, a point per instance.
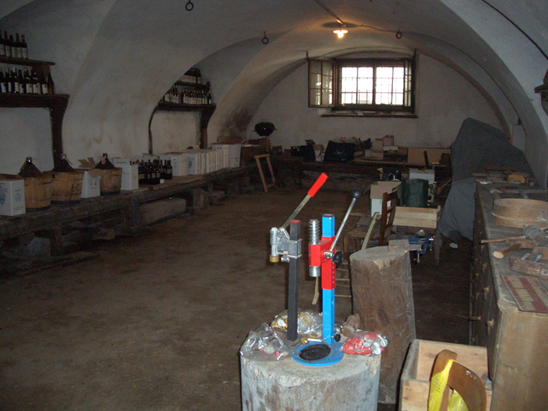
(462, 380)
(388, 212)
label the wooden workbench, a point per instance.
(516, 340)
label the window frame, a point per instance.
(410, 72)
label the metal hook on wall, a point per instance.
(189, 6)
(265, 39)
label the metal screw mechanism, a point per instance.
(314, 232)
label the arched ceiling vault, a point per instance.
(116, 58)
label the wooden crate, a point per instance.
(415, 155)
(417, 217)
(415, 378)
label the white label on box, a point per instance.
(235, 151)
(130, 173)
(91, 186)
(12, 197)
(194, 163)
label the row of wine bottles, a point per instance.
(151, 172)
(25, 82)
(193, 76)
(14, 48)
(188, 96)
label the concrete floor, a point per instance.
(157, 321)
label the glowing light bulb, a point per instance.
(340, 33)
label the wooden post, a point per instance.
(383, 296)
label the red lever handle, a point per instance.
(317, 185)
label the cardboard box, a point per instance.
(378, 144)
(417, 217)
(210, 157)
(12, 195)
(377, 155)
(130, 173)
(91, 183)
(388, 141)
(428, 175)
(415, 378)
(179, 163)
(235, 152)
(378, 189)
(225, 150)
(415, 155)
(194, 162)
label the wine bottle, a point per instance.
(9, 81)
(17, 43)
(3, 84)
(105, 163)
(7, 44)
(2, 45)
(63, 166)
(24, 48)
(43, 84)
(29, 169)
(28, 82)
(35, 83)
(16, 82)
(169, 170)
(51, 85)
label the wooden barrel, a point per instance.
(111, 181)
(38, 192)
(67, 187)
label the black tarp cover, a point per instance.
(477, 146)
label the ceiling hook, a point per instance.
(189, 6)
(399, 35)
(265, 39)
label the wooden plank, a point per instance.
(417, 217)
(415, 155)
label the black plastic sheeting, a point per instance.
(477, 146)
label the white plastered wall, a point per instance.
(445, 99)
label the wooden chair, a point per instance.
(358, 238)
(388, 212)
(462, 380)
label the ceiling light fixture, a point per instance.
(340, 32)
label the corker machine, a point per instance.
(323, 259)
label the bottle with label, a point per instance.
(169, 170)
(15, 81)
(17, 43)
(24, 48)
(43, 84)
(2, 45)
(29, 170)
(35, 83)
(3, 83)
(7, 44)
(28, 82)
(51, 85)
(9, 82)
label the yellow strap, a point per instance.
(437, 386)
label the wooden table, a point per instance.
(128, 202)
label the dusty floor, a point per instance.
(157, 321)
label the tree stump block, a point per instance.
(382, 294)
(351, 384)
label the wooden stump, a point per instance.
(351, 384)
(383, 296)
